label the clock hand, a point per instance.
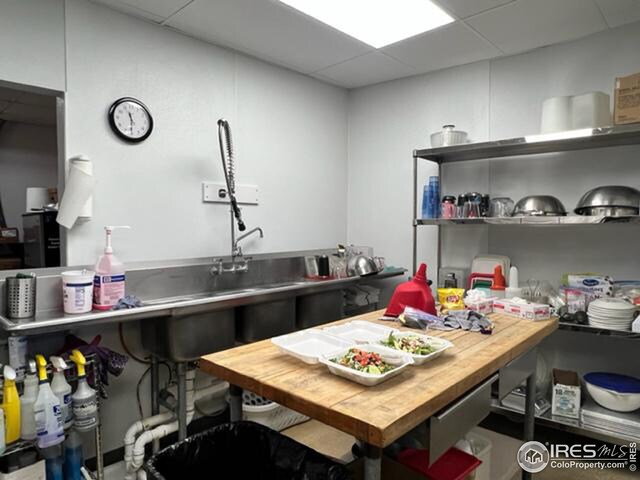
(131, 120)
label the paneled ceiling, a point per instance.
(27, 107)
(483, 29)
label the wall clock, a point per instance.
(130, 120)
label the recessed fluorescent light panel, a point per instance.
(375, 22)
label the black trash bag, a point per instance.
(242, 450)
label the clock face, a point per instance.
(130, 120)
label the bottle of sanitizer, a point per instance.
(62, 390)
(108, 283)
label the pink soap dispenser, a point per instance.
(108, 283)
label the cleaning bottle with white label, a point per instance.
(108, 283)
(47, 410)
(10, 406)
(62, 390)
(84, 399)
(27, 400)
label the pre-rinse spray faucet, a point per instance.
(228, 166)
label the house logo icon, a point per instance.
(533, 457)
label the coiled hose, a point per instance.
(228, 165)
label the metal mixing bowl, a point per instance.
(539, 206)
(361, 265)
(610, 200)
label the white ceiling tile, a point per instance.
(452, 45)
(466, 8)
(620, 12)
(18, 112)
(269, 30)
(528, 24)
(367, 69)
(126, 7)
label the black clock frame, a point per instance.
(112, 122)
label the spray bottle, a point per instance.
(47, 410)
(10, 406)
(73, 456)
(28, 399)
(62, 390)
(84, 399)
(108, 283)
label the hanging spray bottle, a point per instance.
(47, 411)
(84, 400)
(28, 399)
(62, 390)
(10, 406)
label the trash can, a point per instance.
(242, 450)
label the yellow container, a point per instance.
(11, 406)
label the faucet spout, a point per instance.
(237, 251)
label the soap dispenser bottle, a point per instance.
(47, 410)
(28, 399)
(84, 399)
(108, 283)
(10, 406)
(62, 390)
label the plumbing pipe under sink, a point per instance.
(135, 459)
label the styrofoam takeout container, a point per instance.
(361, 331)
(439, 343)
(309, 345)
(393, 357)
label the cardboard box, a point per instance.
(626, 108)
(565, 398)
(526, 311)
(480, 306)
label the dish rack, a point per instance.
(270, 414)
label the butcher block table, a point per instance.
(450, 393)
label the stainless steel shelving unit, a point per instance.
(524, 146)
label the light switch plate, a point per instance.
(216, 192)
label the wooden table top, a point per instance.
(381, 414)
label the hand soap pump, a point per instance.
(84, 399)
(28, 399)
(108, 283)
(47, 410)
(62, 390)
(10, 406)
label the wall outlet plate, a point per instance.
(216, 192)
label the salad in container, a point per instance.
(368, 364)
(421, 348)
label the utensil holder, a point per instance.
(21, 297)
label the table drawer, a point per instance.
(517, 371)
(453, 422)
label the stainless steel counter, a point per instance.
(187, 288)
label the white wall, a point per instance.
(28, 158)
(492, 100)
(32, 39)
(290, 132)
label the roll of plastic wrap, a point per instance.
(77, 204)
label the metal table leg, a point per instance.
(372, 462)
(181, 369)
(235, 403)
(529, 414)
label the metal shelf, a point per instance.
(575, 327)
(565, 424)
(535, 144)
(531, 221)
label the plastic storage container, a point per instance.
(270, 414)
(248, 450)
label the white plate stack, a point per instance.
(611, 313)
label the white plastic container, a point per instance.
(360, 331)
(590, 110)
(481, 449)
(392, 357)
(616, 401)
(77, 291)
(440, 345)
(309, 345)
(270, 414)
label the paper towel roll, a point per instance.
(76, 201)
